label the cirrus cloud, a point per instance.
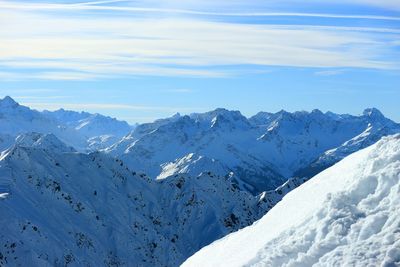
(65, 46)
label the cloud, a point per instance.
(64, 46)
(30, 97)
(387, 4)
(96, 7)
(329, 72)
(106, 106)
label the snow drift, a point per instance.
(348, 215)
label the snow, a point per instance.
(192, 164)
(67, 206)
(82, 130)
(44, 141)
(263, 151)
(348, 215)
(198, 176)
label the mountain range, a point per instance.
(60, 206)
(85, 189)
(82, 130)
(262, 152)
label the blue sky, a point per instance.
(142, 60)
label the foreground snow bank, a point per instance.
(348, 215)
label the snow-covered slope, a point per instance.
(348, 215)
(6, 141)
(192, 164)
(84, 131)
(263, 151)
(16, 119)
(377, 127)
(100, 131)
(221, 136)
(60, 207)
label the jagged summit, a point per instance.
(8, 102)
(232, 115)
(43, 141)
(317, 111)
(373, 113)
(82, 130)
(176, 115)
(263, 150)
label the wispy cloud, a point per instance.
(329, 72)
(30, 93)
(106, 106)
(63, 46)
(35, 98)
(95, 6)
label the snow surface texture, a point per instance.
(348, 215)
(64, 208)
(262, 152)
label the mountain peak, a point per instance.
(176, 115)
(373, 112)
(234, 115)
(222, 116)
(43, 141)
(317, 111)
(8, 102)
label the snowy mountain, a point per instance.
(263, 151)
(16, 119)
(348, 215)
(43, 141)
(100, 131)
(377, 127)
(61, 207)
(83, 131)
(75, 188)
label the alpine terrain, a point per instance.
(263, 151)
(348, 215)
(81, 189)
(82, 130)
(61, 207)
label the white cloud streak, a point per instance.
(329, 72)
(63, 46)
(107, 106)
(94, 6)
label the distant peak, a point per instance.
(221, 110)
(317, 111)
(8, 102)
(373, 112)
(43, 141)
(176, 115)
(283, 114)
(282, 111)
(226, 113)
